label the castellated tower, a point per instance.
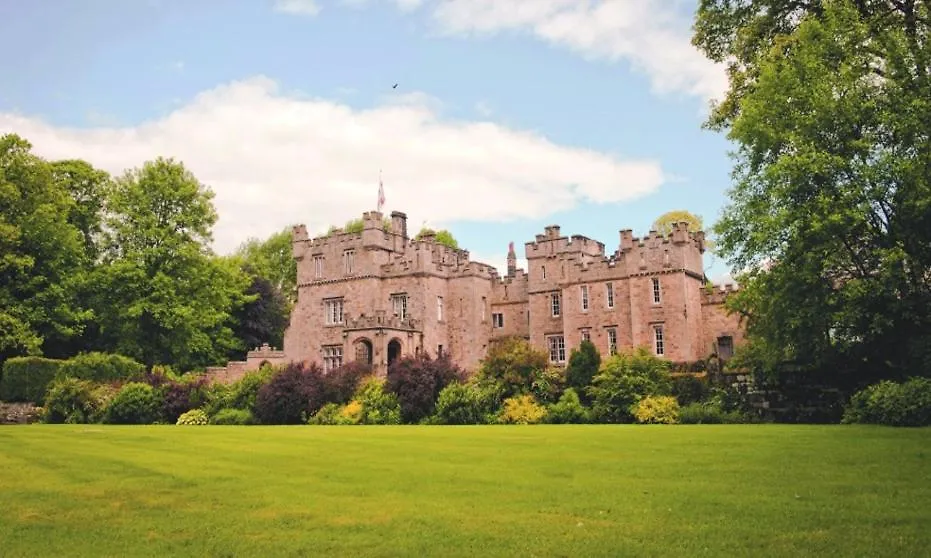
(377, 295)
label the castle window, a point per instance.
(334, 311)
(439, 308)
(656, 298)
(497, 320)
(554, 303)
(725, 347)
(399, 305)
(609, 294)
(318, 266)
(439, 351)
(586, 335)
(658, 344)
(348, 260)
(543, 267)
(483, 308)
(584, 289)
(557, 346)
(332, 357)
(612, 341)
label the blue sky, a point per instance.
(508, 116)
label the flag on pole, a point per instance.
(381, 193)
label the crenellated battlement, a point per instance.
(718, 293)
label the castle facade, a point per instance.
(380, 294)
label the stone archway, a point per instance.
(394, 351)
(363, 351)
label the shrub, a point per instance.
(193, 417)
(73, 401)
(179, 397)
(218, 397)
(689, 389)
(568, 410)
(335, 414)
(417, 382)
(101, 367)
(548, 384)
(291, 395)
(459, 404)
(709, 412)
(623, 380)
(662, 409)
(135, 403)
(522, 409)
(583, 366)
(26, 379)
(377, 405)
(244, 392)
(237, 417)
(513, 363)
(341, 383)
(892, 404)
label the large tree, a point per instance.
(830, 213)
(41, 255)
(665, 222)
(273, 260)
(165, 297)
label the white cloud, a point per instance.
(653, 36)
(275, 159)
(302, 7)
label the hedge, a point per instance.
(26, 379)
(101, 367)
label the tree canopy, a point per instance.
(830, 212)
(664, 223)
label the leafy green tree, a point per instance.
(88, 188)
(272, 259)
(664, 223)
(263, 319)
(830, 218)
(41, 256)
(582, 367)
(165, 297)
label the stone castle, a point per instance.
(378, 294)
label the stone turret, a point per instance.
(512, 260)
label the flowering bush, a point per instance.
(193, 417)
(657, 410)
(522, 409)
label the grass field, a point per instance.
(754, 490)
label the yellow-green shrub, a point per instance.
(522, 409)
(663, 409)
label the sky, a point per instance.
(507, 116)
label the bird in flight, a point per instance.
(395, 86)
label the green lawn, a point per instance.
(755, 490)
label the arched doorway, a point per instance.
(364, 351)
(394, 351)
